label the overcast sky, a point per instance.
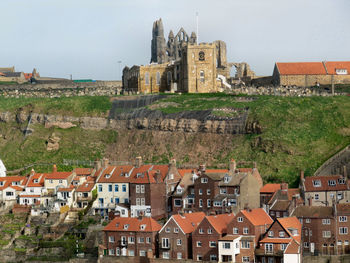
(87, 38)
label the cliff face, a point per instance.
(144, 119)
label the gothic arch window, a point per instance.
(201, 76)
(158, 78)
(169, 77)
(201, 56)
(183, 35)
(146, 78)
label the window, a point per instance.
(324, 245)
(316, 183)
(226, 245)
(111, 239)
(240, 219)
(126, 200)
(137, 201)
(343, 218)
(340, 196)
(269, 247)
(201, 231)
(142, 201)
(331, 182)
(326, 221)
(141, 240)
(245, 259)
(142, 253)
(208, 203)
(51, 181)
(131, 253)
(201, 56)
(148, 240)
(200, 191)
(137, 189)
(339, 243)
(199, 258)
(201, 76)
(341, 71)
(308, 220)
(100, 187)
(111, 252)
(176, 230)
(210, 231)
(217, 203)
(9, 193)
(167, 230)
(341, 181)
(199, 244)
(343, 230)
(146, 78)
(306, 244)
(245, 230)
(179, 242)
(109, 188)
(245, 244)
(283, 246)
(208, 191)
(166, 255)
(212, 244)
(179, 255)
(117, 251)
(235, 231)
(165, 243)
(158, 78)
(123, 240)
(204, 180)
(317, 196)
(117, 200)
(142, 227)
(270, 234)
(142, 189)
(213, 257)
(124, 187)
(177, 202)
(131, 240)
(281, 234)
(222, 190)
(326, 234)
(200, 203)
(126, 226)
(116, 188)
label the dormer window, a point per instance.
(15, 183)
(281, 234)
(240, 219)
(107, 176)
(222, 190)
(270, 234)
(36, 181)
(139, 175)
(341, 71)
(316, 183)
(142, 227)
(331, 182)
(1, 183)
(126, 226)
(341, 181)
(204, 180)
(227, 179)
(179, 190)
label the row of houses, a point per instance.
(9, 74)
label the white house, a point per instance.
(229, 247)
(33, 189)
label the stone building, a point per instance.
(306, 74)
(179, 65)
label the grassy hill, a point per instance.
(297, 133)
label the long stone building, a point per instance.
(179, 65)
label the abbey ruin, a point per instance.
(180, 64)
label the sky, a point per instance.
(95, 39)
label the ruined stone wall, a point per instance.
(64, 89)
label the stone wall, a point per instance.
(62, 89)
(311, 80)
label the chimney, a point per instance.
(301, 176)
(138, 161)
(172, 162)
(202, 168)
(32, 172)
(97, 165)
(284, 187)
(158, 176)
(345, 172)
(232, 165)
(105, 163)
(54, 168)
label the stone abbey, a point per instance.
(179, 65)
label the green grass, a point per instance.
(69, 106)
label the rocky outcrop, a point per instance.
(53, 143)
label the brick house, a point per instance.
(325, 229)
(325, 190)
(284, 201)
(126, 236)
(281, 242)
(266, 192)
(243, 234)
(206, 236)
(175, 237)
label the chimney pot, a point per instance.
(54, 168)
(301, 175)
(138, 161)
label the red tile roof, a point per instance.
(162, 168)
(58, 175)
(276, 240)
(83, 171)
(310, 187)
(270, 188)
(85, 187)
(301, 68)
(36, 176)
(7, 182)
(257, 216)
(28, 75)
(292, 248)
(331, 66)
(115, 174)
(209, 171)
(134, 225)
(182, 172)
(291, 222)
(220, 222)
(188, 221)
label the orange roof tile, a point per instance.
(220, 222)
(188, 221)
(8, 180)
(310, 186)
(115, 174)
(58, 175)
(162, 168)
(40, 177)
(270, 188)
(83, 171)
(182, 172)
(209, 171)
(257, 216)
(291, 222)
(133, 224)
(301, 68)
(28, 75)
(331, 66)
(85, 187)
(292, 248)
(276, 240)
